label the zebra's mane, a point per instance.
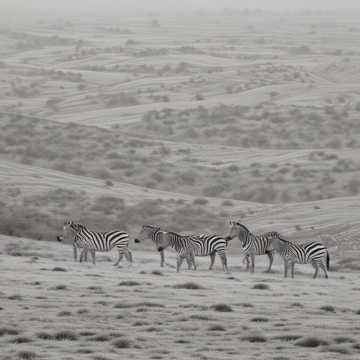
(153, 227)
(243, 226)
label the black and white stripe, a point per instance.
(312, 252)
(252, 245)
(73, 230)
(151, 232)
(187, 246)
(99, 241)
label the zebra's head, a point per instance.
(237, 230)
(146, 232)
(162, 241)
(70, 228)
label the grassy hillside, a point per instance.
(182, 123)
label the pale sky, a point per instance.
(17, 9)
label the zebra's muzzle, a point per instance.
(136, 240)
(228, 238)
(160, 248)
(59, 238)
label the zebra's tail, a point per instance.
(327, 260)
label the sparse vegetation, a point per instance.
(221, 307)
(188, 285)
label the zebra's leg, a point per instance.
(128, 256)
(75, 251)
(292, 269)
(285, 268)
(189, 263)
(271, 260)
(224, 262)
(162, 258)
(180, 259)
(85, 255)
(246, 260)
(121, 254)
(192, 257)
(92, 252)
(323, 267)
(212, 260)
(252, 268)
(316, 267)
(82, 255)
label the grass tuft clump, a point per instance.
(288, 337)
(216, 327)
(221, 307)
(261, 286)
(259, 319)
(189, 285)
(26, 355)
(58, 268)
(21, 340)
(8, 331)
(311, 341)
(157, 272)
(255, 338)
(328, 308)
(45, 336)
(66, 335)
(129, 283)
(122, 344)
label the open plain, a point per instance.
(182, 121)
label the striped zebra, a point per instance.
(154, 233)
(99, 241)
(252, 245)
(187, 246)
(312, 252)
(73, 231)
(151, 232)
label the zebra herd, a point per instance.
(189, 246)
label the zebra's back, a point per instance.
(103, 241)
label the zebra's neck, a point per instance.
(176, 241)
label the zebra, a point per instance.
(99, 241)
(312, 252)
(74, 230)
(154, 233)
(187, 246)
(151, 232)
(252, 245)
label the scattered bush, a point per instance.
(261, 286)
(216, 327)
(255, 338)
(129, 283)
(310, 341)
(188, 285)
(122, 344)
(328, 308)
(26, 355)
(65, 335)
(221, 307)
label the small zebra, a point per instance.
(73, 231)
(99, 241)
(154, 233)
(252, 245)
(312, 252)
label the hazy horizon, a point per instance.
(17, 10)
